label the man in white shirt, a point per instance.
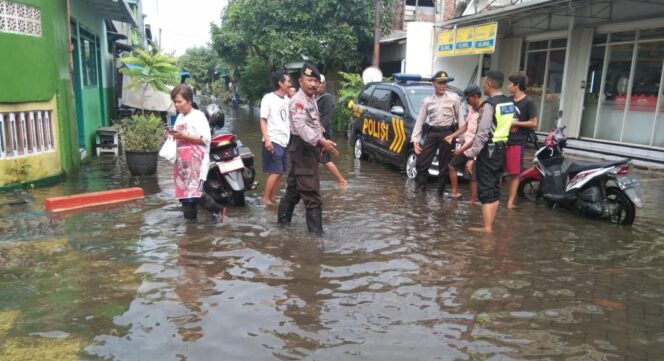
(275, 127)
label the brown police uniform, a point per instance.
(443, 114)
(304, 154)
(303, 151)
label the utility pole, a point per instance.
(376, 51)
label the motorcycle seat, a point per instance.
(581, 166)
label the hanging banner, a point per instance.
(485, 38)
(446, 43)
(465, 39)
(479, 39)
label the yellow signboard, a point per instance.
(465, 39)
(446, 43)
(469, 40)
(485, 38)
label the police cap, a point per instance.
(441, 75)
(310, 70)
(472, 90)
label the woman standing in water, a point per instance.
(192, 135)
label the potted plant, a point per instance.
(142, 135)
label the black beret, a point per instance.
(310, 70)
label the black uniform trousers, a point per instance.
(303, 180)
(488, 170)
(435, 140)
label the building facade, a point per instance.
(55, 86)
(596, 67)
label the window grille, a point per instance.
(25, 133)
(20, 19)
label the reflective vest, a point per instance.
(503, 113)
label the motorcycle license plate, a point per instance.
(627, 182)
(235, 164)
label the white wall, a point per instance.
(419, 48)
(460, 67)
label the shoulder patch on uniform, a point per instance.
(299, 105)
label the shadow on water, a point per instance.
(395, 277)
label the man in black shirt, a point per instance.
(326, 105)
(525, 121)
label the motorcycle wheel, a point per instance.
(238, 198)
(530, 189)
(623, 210)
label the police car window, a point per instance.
(395, 100)
(416, 96)
(364, 97)
(381, 99)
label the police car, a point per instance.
(383, 119)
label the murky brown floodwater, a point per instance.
(396, 277)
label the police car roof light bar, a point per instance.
(404, 77)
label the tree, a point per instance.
(201, 63)
(335, 35)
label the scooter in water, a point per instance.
(595, 189)
(231, 171)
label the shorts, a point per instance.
(274, 162)
(458, 162)
(514, 159)
(488, 169)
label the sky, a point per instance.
(184, 24)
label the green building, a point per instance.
(58, 83)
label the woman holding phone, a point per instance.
(191, 132)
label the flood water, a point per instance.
(395, 277)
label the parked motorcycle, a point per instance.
(595, 189)
(231, 170)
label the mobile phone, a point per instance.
(169, 128)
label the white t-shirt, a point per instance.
(275, 109)
(195, 123)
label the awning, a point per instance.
(513, 12)
(394, 36)
(114, 10)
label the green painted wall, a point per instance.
(37, 69)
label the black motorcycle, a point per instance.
(231, 171)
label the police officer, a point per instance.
(488, 152)
(442, 109)
(306, 147)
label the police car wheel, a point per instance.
(358, 148)
(409, 166)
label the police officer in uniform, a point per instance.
(442, 109)
(305, 150)
(488, 152)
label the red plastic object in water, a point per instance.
(94, 199)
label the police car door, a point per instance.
(375, 127)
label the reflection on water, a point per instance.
(395, 277)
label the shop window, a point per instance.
(612, 105)
(592, 92)
(558, 43)
(640, 118)
(20, 19)
(544, 64)
(23, 133)
(623, 36)
(651, 34)
(600, 39)
(658, 135)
